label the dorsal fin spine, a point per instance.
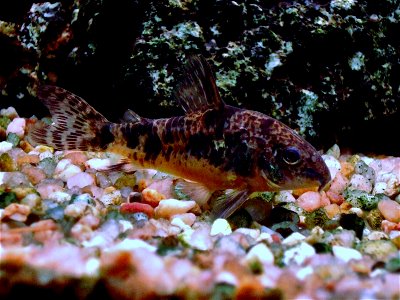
(198, 91)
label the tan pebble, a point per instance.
(17, 212)
(335, 198)
(109, 189)
(77, 157)
(345, 207)
(34, 174)
(332, 210)
(390, 210)
(346, 168)
(46, 189)
(28, 159)
(309, 201)
(299, 192)
(152, 197)
(169, 207)
(24, 145)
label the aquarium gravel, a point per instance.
(71, 230)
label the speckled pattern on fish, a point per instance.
(214, 144)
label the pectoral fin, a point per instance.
(193, 190)
(227, 204)
(123, 165)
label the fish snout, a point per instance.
(322, 178)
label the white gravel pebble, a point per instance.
(5, 147)
(59, 196)
(80, 180)
(129, 245)
(69, 171)
(75, 210)
(293, 239)
(359, 182)
(197, 239)
(179, 223)
(220, 226)
(113, 197)
(304, 272)
(226, 277)
(298, 254)
(332, 163)
(254, 233)
(98, 163)
(379, 188)
(8, 112)
(17, 126)
(346, 254)
(260, 253)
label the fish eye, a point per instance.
(291, 155)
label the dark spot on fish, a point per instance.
(152, 145)
(265, 125)
(106, 137)
(168, 137)
(167, 153)
(211, 118)
(242, 159)
(216, 156)
(131, 135)
(198, 145)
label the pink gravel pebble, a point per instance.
(80, 180)
(309, 201)
(48, 188)
(17, 126)
(34, 174)
(339, 183)
(77, 158)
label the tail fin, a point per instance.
(76, 125)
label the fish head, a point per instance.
(290, 162)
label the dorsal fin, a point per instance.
(197, 90)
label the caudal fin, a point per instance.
(76, 125)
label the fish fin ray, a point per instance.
(76, 124)
(193, 190)
(123, 165)
(198, 90)
(227, 204)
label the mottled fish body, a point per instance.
(214, 144)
